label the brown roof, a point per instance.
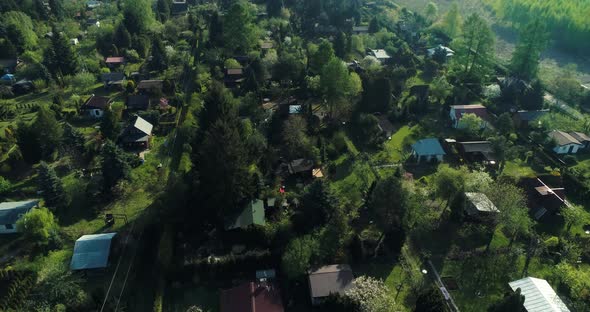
(251, 297)
(115, 60)
(97, 102)
(563, 138)
(329, 279)
(149, 84)
(138, 102)
(477, 109)
(234, 71)
(582, 137)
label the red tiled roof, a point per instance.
(115, 60)
(477, 109)
(251, 297)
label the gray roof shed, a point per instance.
(538, 295)
(10, 212)
(428, 147)
(92, 251)
(330, 279)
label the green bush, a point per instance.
(4, 186)
(38, 226)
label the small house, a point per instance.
(252, 214)
(380, 55)
(138, 102)
(582, 138)
(92, 22)
(266, 45)
(9, 65)
(458, 111)
(233, 77)
(95, 106)
(93, 4)
(479, 206)
(522, 118)
(74, 41)
(179, 7)
(138, 134)
(11, 212)
(150, 86)
(448, 52)
(92, 252)
(23, 86)
(477, 152)
(7, 79)
(544, 195)
(301, 165)
(539, 296)
(360, 30)
(113, 79)
(262, 296)
(428, 150)
(114, 61)
(564, 142)
(329, 279)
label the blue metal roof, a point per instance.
(428, 147)
(92, 251)
(10, 212)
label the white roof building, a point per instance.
(538, 295)
(143, 126)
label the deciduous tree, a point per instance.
(475, 48)
(38, 226)
(298, 255)
(371, 295)
(339, 86)
(527, 55)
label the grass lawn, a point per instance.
(519, 169)
(583, 164)
(352, 176)
(393, 149)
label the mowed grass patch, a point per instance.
(518, 169)
(393, 150)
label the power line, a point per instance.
(128, 270)
(117, 268)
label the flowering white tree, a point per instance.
(371, 295)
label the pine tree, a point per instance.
(122, 37)
(219, 102)
(223, 169)
(51, 186)
(60, 59)
(158, 61)
(274, 7)
(57, 9)
(48, 131)
(114, 166)
(109, 125)
(73, 139)
(163, 10)
(374, 25)
(340, 45)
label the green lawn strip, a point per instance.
(393, 149)
(518, 169)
